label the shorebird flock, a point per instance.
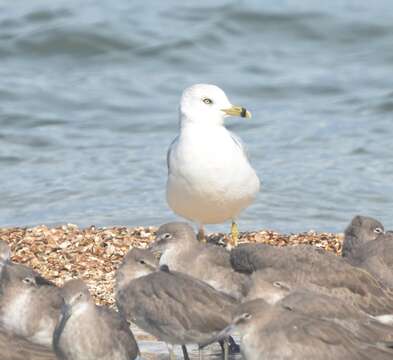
(296, 302)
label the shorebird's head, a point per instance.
(18, 276)
(270, 291)
(137, 263)
(75, 294)
(207, 104)
(244, 318)
(365, 228)
(361, 230)
(173, 235)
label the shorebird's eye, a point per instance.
(142, 262)
(207, 101)
(77, 297)
(378, 230)
(247, 316)
(280, 285)
(28, 280)
(277, 284)
(243, 317)
(166, 236)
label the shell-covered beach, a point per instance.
(94, 253)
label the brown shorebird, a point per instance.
(174, 307)
(181, 251)
(311, 301)
(319, 271)
(376, 257)
(13, 347)
(90, 332)
(361, 230)
(29, 304)
(280, 332)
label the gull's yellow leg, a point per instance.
(234, 235)
(201, 234)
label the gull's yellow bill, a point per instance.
(237, 111)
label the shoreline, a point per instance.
(93, 254)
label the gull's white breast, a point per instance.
(210, 179)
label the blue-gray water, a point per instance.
(89, 93)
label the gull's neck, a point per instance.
(200, 120)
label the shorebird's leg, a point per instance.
(234, 235)
(226, 349)
(200, 353)
(172, 355)
(201, 233)
(185, 353)
(233, 348)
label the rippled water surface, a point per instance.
(89, 93)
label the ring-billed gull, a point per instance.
(210, 179)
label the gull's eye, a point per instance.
(142, 262)
(207, 101)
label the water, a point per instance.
(89, 94)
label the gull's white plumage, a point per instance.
(210, 179)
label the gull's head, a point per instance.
(208, 104)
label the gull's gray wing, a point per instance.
(168, 154)
(239, 143)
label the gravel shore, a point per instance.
(93, 254)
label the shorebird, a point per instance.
(210, 179)
(263, 287)
(29, 304)
(361, 230)
(279, 332)
(13, 347)
(310, 301)
(365, 327)
(376, 257)
(174, 307)
(304, 266)
(89, 332)
(181, 251)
